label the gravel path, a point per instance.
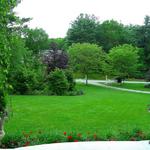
(100, 83)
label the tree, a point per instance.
(36, 40)
(131, 34)
(109, 34)
(143, 41)
(55, 58)
(83, 29)
(18, 52)
(86, 58)
(6, 21)
(124, 60)
(61, 43)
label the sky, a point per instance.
(55, 16)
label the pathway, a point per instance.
(100, 83)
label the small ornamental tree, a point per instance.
(55, 58)
(86, 58)
(124, 61)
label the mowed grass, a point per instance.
(134, 86)
(99, 110)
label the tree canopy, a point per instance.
(86, 58)
(36, 40)
(143, 40)
(83, 29)
(7, 21)
(124, 60)
(110, 34)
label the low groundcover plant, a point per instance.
(40, 137)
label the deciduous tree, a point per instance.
(124, 60)
(86, 58)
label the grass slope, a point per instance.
(100, 110)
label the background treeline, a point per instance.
(111, 48)
(110, 33)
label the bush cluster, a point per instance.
(23, 82)
(57, 82)
(61, 82)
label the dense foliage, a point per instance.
(86, 58)
(111, 34)
(57, 82)
(32, 62)
(7, 20)
(61, 43)
(36, 40)
(143, 40)
(83, 29)
(55, 58)
(38, 138)
(124, 60)
(70, 78)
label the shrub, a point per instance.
(71, 82)
(23, 82)
(57, 82)
(55, 59)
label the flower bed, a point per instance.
(39, 137)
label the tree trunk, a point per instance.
(106, 79)
(86, 78)
(2, 133)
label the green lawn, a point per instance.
(135, 86)
(100, 110)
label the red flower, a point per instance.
(79, 135)
(27, 144)
(65, 133)
(75, 140)
(69, 137)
